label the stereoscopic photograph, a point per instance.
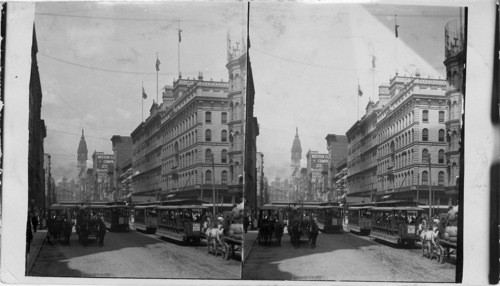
(359, 109)
(136, 140)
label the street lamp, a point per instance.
(213, 187)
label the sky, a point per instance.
(94, 58)
(308, 59)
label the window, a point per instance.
(441, 178)
(208, 156)
(441, 116)
(224, 177)
(441, 157)
(425, 178)
(441, 135)
(208, 135)
(223, 117)
(208, 117)
(425, 116)
(223, 136)
(223, 157)
(208, 177)
(425, 156)
(425, 134)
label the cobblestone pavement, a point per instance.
(135, 255)
(344, 257)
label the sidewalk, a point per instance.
(36, 245)
(250, 238)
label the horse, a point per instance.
(295, 233)
(278, 232)
(313, 233)
(428, 238)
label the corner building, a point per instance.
(195, 140)
(410, 128)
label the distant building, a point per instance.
(296, 156)
(49, 190)
(64, 191)
(37, 132)
(317, 173)
(82, 156)
(102, 163)
(337, 152)
(260, 179)
(122, 152)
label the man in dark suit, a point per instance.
(101, 231)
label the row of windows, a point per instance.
(208, 117)
(425, 135)
(180, 128)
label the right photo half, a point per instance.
(354, 141)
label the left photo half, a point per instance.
(136, 140)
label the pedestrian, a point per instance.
(67, 229)
(246, 222)
(101, 231)
(313, 232)
(34, 222)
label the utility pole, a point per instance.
(430, 185)
(213, 187)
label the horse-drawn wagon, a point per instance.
(271, 224)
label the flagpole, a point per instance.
(373, 73)
(358, 98)
(179, 49)
(396, 41)
(142, 100)
(157, 68)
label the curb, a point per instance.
(34, 252)
(249, 251)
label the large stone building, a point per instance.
(296, 155)
(410, 128)
(49, 188)
(122, 152)
(337, 152)
(37, 132)
(455, 65)
(260, 179)
(362, 150)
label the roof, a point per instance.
(176, 207)
(396, 209)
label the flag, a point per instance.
(360, 93)
(373, 61)
(396, 28)
(157, 64)
(180, 31)
(144, 95)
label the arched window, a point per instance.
(208, 135)
(208, 156)
(208, 117)
(425, 116)
(223, 117)
(425, 178)
(425, 154)
(441, 135)
(425, 134)
(441, 157)
(208, 177)
(223, 136)
(441, 178)
(223, 156)
(224, 177)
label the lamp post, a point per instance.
(430, 190)
(213, 187)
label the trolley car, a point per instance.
(116, 216)
(181, 220)
(395, 223)
(360, 219)
(145, 217)
(330, 218)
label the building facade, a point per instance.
(102, 164)
(410, 128)
(260, 179)
(295, 178)
(49, 190)
(122, 153)
(337, 152)
(362, 150)
(37, 132)
(455, 65)
(317, 174)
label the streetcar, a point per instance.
(272, 221)
(359, 218)
(145, 217)
(395, 222)
(330, 218)
(116, 216)
(181, 220)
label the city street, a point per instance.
(132, 254)
(345, 257)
